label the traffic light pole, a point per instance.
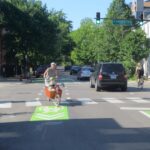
(127, 22)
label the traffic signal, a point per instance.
(98, 18)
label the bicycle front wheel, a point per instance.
(57, 99)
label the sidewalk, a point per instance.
(13, 79)
(9, 79)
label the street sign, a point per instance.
(122, 22)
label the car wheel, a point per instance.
(91, 85)
(124, 88)
(97, 87)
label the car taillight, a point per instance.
(100, 77)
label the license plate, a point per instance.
(113, 77)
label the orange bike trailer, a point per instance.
(50, 93)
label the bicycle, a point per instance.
(140, 83)
(54, 93)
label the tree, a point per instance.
(34, 32)
(114, 33)
(64, 43)
(84, 37)
(134, 48)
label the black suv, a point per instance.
(109, 75)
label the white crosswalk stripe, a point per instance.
(84, 101)
(141, 101)
(113, 100)
(138, 100)
(5, 105)
(132, 98)
(32, 104)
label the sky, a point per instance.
(76, 10)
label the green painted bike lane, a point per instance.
(42, 113)
(146, 113)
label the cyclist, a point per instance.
(140, 74)
(51, 75)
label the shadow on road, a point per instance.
(73, 134)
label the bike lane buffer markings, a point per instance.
(50, 113)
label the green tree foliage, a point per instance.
(110, 42)
(85, 51)
(134, 47)
(34, 31)
(64, 43)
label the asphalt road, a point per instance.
(86, 119)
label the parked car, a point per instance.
(74, 70)
(40, 70)
(109, 75)
(67, 68)
(84, 73)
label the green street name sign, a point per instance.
(122, 22)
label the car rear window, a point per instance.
(86, 69)
(116, 68)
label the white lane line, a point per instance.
(113, 100)
(68, 97)
(32, 104)
(5, 105)
(147, 115)
(135, 108)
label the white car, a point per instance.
(85, 72)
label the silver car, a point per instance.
(84, 73)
